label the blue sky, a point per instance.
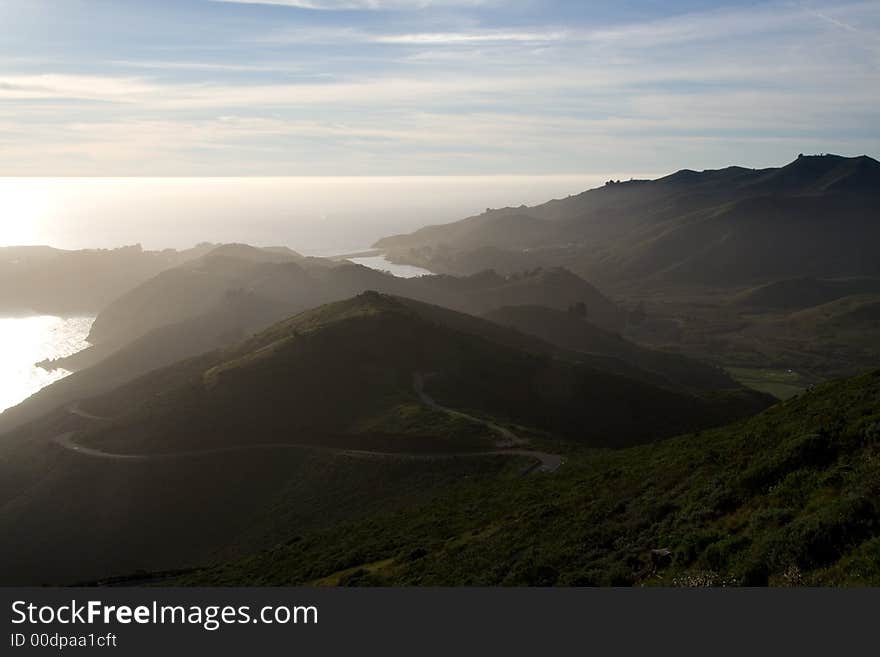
(431, 87)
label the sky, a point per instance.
(431, 87)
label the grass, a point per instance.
(350, 575)
(782, 384)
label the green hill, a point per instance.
(788, 498)
(343, 375)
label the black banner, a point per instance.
(267, 621)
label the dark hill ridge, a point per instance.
(823, 173)
(816, 216)
(341, 368)
(58, 281)
(808, 174)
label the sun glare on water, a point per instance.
(25, 341)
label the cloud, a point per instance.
(80, 87)
(457, 38)
(362, 5)
(160, 65)
(413, 143)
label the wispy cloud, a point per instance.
(456, 38)
(80, 87)
(161, 65)
(368, 5)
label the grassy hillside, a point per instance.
(801, 293)
(789, 497)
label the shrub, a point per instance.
(718, 555)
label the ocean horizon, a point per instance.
(315, 215)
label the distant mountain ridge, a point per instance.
(296, 283)
(43, 279)
(47, 280)
(817, 216)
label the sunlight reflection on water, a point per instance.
(382, 263)
(25, 341)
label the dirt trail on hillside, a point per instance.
(508, 439)
(545, 462)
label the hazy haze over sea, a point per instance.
(310, 214)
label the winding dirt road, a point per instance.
(508, 439)
(67, 442)
(544, 462)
